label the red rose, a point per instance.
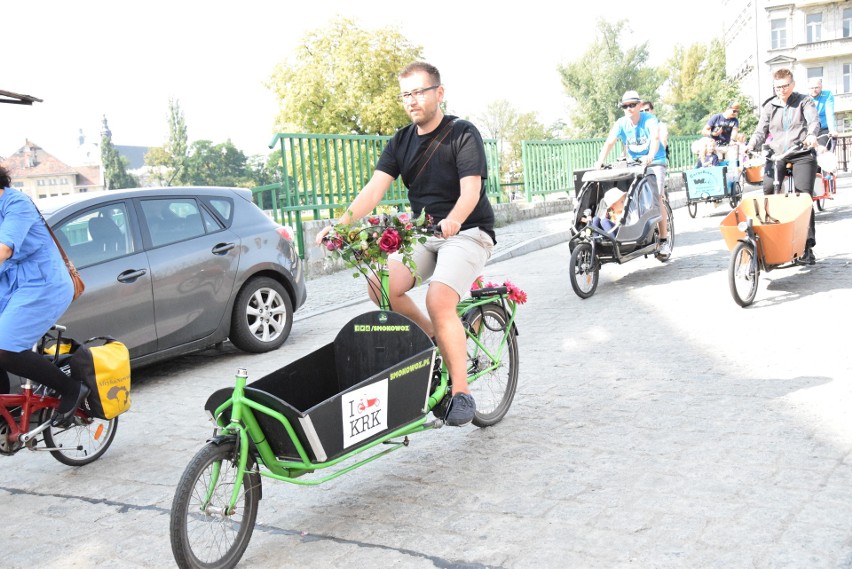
(373, 220)
(390, 241)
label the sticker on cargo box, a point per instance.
(365, 412)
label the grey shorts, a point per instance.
(455, 262)
(660, 172)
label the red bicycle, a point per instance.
(25, 417)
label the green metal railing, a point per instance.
(549, 165)
(321, 173)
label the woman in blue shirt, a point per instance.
(35, 290)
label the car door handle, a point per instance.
(131, 275)
(223, 248)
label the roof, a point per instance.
(17, 99)
(31, 160)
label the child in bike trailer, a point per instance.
(35, 290)
(613, 201)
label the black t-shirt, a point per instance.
(438, 187)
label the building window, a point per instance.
(779, 33)
(815, 73)
(813, 27)
(847, 22)
(847, 77)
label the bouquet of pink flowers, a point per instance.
(513, 293)
(369, 242)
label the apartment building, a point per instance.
(812, 38)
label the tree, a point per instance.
(697, 88)
(211, 164)
(502, 122)
(167, 162)
(115, 167)
(603, 73)
(344, 81)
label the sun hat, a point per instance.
(630, 97)
(611, 196)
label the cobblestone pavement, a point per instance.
(656, 425)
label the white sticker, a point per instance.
(365, 412)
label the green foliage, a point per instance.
(215, 165)
(596, 81)
(698, 89)
(166, 163)
(115, 167)
(343, 81)
(503, 123)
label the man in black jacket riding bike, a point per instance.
(792, 119)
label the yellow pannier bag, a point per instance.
(105, 369)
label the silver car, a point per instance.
(174, 270)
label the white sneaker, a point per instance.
(665, 247)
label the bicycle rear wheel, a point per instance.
(82, 442)
(497, 361)
(663, 257)
(203, 533)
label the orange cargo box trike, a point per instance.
(763, 234)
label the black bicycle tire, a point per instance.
(185, 555)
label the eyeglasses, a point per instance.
(735, 111)
(646, 110)
(419, 94)
(629, 106)
(782, 87)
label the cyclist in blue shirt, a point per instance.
(640, 134)
(825, 106)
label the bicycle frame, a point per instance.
(245, 428)
(31, 405)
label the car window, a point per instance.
(96, 235)
(224, 207)
(211, 224)
(171, 220)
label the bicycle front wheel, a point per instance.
(81, 443)
(584, 271)
(492, 353)
(204, 533)
(743, 274)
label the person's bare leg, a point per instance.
(441, 301)
(402, 281)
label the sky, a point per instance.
(89, 59)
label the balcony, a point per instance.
(830, 49)
(842, 102)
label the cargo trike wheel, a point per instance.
(496, 361)
(204, 533)
(743, 274)
(736, 194)
(584, 270)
